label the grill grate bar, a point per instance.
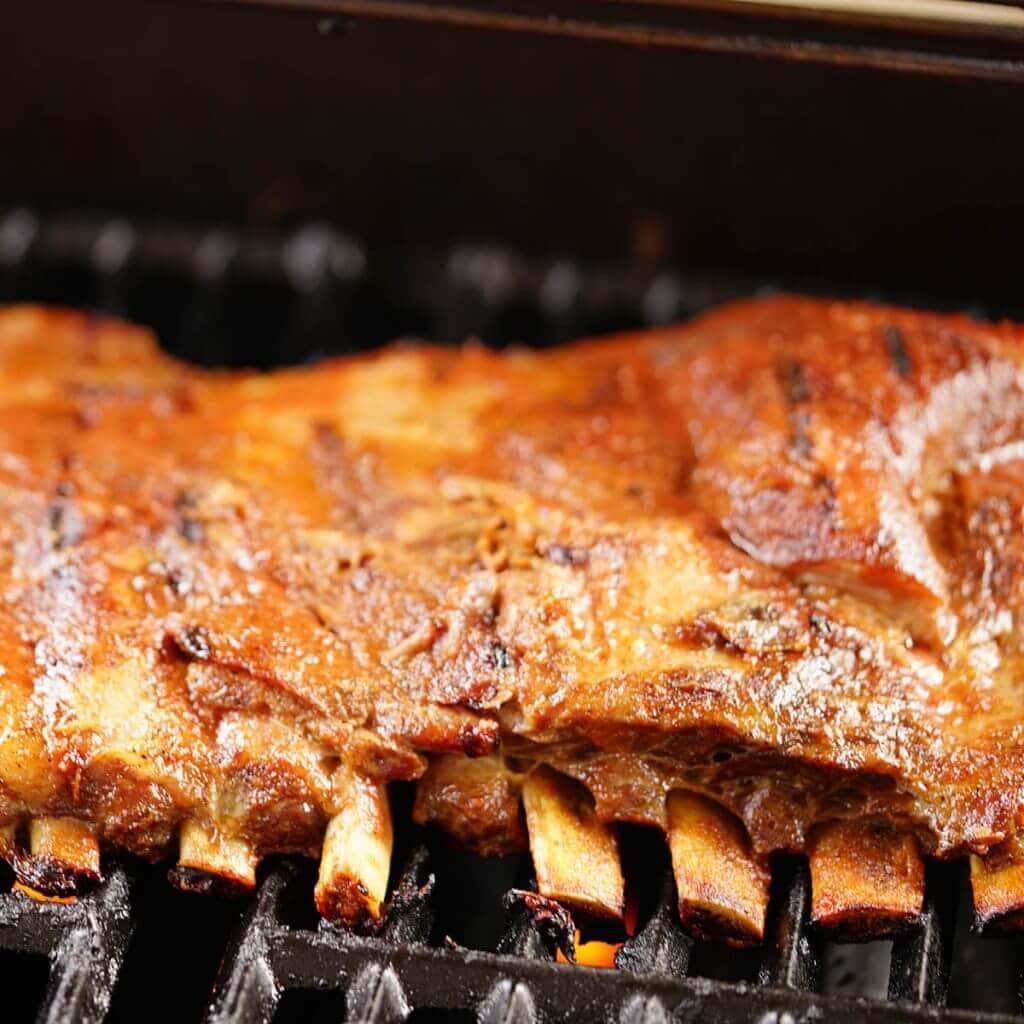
(921, 960)
(660, 944)
(644, 1010)
(376, 996)
(413, 905)
(508, 1002)
(85, 941)
(247, 989)
(382, 981)
(793, 961)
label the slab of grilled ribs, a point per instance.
(755, 582)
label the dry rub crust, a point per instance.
(774, 556)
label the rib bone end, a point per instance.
(8, 841)
(356, 858)
(575, 856)
(211, 859)
(62, 853)
(997, 883)
(722, 887)
(68, 844)
(867, 881)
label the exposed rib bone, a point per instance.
(866, 880)
(575, 856)
(211, 854)
(66, 843)
(723, 889)
(356, 858)
(62, 851)
(997, 881)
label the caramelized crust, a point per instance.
(773, 557)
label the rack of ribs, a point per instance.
(754, 581)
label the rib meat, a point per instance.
(773, 557)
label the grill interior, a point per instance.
(452, 948)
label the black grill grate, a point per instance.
(85, 943)
(133, 946)
(277, 950)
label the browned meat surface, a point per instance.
(774, 557)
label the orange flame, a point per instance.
(602, 954)
(592, 954)
(41, 897)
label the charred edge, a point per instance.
(998, 908)
(501, 656)
(66, 525)
(896, 346)
(793, 382)
(565, 554)
(858, 924)
(999, 922)
(355, 861)
(344, 901)
(192, 880)
(552, 920)
(701, 634)
(479, 701)
(795, 391)
(46, 875)
(192, 642)
(479, 738)
(708, 925)
(179, 584)
(800, 441)
(826, 486)
(820, 624)
(191, 529)
(188, 526)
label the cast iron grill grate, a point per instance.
(133, 945)
(277, 952)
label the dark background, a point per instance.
(420, 135)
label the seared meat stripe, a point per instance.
(754, 582)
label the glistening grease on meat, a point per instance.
(754, 581)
